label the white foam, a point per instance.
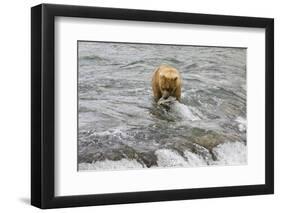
(111, 165)
(169, 158)
(194, 160)
(242, 124)
(110, 132)
(184, 112)
(230, 153)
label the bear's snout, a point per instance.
(166, 94)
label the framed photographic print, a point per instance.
(139, 106)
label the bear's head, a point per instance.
(169, 81)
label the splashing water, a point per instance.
(230, 153)
(121, 127)
(184, 112)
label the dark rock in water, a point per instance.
(89, 157)
(94, 153)
(147, 158)
(181, 145)
(207, 138)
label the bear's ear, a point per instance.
(175, 78)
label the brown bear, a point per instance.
(166, 81)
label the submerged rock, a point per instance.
(147, 158)
(206, 138)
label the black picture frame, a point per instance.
(43, 105)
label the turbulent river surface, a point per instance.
(121, 127)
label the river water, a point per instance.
(121, 127)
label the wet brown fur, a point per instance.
(166, 81)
